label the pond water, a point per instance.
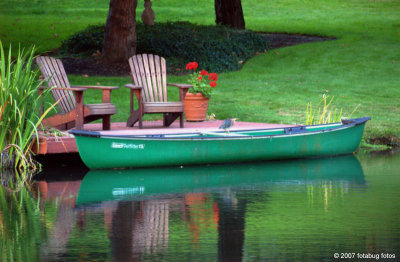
(303, 210)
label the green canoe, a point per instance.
(100, 151)
(164, 182)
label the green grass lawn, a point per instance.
(361, 67)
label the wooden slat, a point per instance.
(103, 105)
(164, 104)
(46, 71)
(153, 78)
(68, 94)
(102, 109)
(60, 79)
(150, 72)
(149, 85)
(158, 76)
(162, 107)
(58, 94)
(142, 76)
(164, 77)
(134, 77)
(55, 75)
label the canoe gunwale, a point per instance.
(222, 135)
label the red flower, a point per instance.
(203, 73)
(192, 65)
(213, 84)
(199, 78)
(189, 66)
(213, 77)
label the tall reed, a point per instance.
(20, 104)
(325, 112)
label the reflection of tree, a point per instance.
(231, 227)
(122, 227)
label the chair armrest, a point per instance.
(41, 88)
(183, 89)
(98, 87)
(131, 86)
(185, 86)
(106, 91)
(137, 90)
(69, 89)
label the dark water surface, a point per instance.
(303, 210)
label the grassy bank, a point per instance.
(361, 67)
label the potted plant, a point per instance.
(196, 100)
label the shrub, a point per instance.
(216, 48)
(85, 42)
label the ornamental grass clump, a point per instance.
(203, 82)
(326, 114)
(20, 104)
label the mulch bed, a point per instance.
(94, 66)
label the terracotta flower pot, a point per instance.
(41, 147)
(196, 106)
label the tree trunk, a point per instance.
(229, 13)
(120, 31)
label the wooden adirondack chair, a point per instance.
(72, 111)
(149, 84)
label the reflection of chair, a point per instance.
(72, 111)
(151, 230)
(149, 78)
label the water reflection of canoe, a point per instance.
(104, 150)
(134, 184)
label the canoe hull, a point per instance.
(120, 152)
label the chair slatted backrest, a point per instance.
(54, 73)
(150, 72)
